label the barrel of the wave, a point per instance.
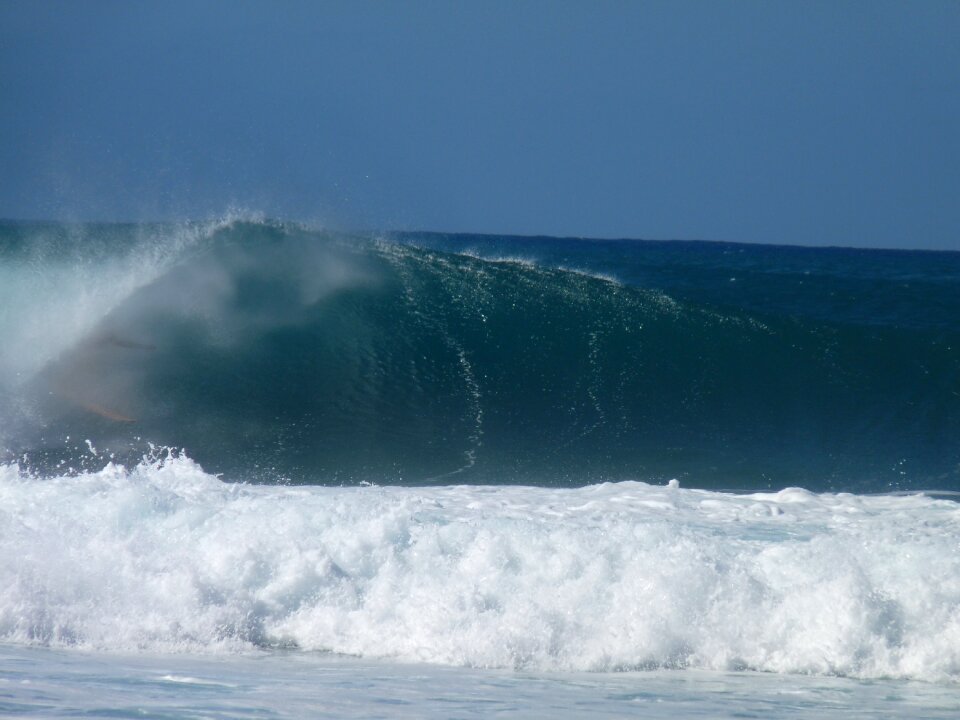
(275, 352)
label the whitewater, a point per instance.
(420, 475)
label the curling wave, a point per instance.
(275, 352)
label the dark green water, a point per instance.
(275, 352)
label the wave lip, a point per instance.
(58, 282)
(271, 349)
(164, 557)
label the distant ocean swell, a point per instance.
(164, 557)
(277, 353)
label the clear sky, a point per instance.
(801, 122)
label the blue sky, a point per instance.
(803, 122)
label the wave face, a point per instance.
(165, 557)
(485, 386)
(274, 352)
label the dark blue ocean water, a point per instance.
(274, 352)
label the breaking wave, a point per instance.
(275, 352)
(165, 557)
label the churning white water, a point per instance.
(165, 558)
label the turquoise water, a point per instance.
(273, 351)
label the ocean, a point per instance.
(253, 468)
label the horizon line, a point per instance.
(314, 225)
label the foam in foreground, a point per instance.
(165, 557)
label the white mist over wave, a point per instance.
(166, 557)
(55, 294)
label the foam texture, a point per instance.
(165, 557)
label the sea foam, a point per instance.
(165, 557)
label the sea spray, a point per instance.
(273, 350)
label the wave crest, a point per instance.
(274, 350)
